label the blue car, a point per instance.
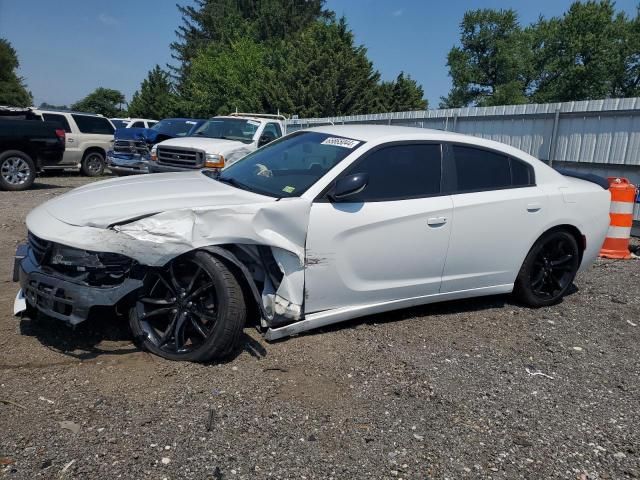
(132, 146)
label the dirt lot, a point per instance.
(443, 391)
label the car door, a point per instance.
(498, 212)
(95, 131)
(70, 152)
(387, 242)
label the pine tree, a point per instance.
(155, 98)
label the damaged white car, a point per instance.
(318, 227)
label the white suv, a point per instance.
(217, 142)
(89, 137)
(133, 122)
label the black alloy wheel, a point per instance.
(192, 309)
(549, 269)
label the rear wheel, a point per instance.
(17, 171)
(93, 164)
(192, 310)
(549, 269)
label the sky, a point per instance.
(68, 48)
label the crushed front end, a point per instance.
(65, 282)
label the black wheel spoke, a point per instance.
(158, 301)
(178, 332)
(166, 336)
(209, 318)
(192, 283)
(563, 260)
(200, 290)
(201, 329)
(167, 284)
(156, 312)
(537, 280)
(173, 278)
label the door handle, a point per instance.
(534, 207)
(69, 140)
(436, 221)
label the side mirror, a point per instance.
(264, 139)
(348, 186)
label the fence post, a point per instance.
(455, 122)
(554, 137)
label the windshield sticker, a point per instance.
(340, 142)
(288, 189)
(253, 122)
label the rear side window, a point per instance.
(138, 124)
(90, 124)
(59, 119)
(478, 170)
(400, 172)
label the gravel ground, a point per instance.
(473, 389)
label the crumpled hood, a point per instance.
(112, 201)
(209, 145)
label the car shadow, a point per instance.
(105, 334)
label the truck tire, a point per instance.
(93, 164)
(17, 171)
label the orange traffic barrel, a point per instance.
(623, 194)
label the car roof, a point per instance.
(389, 133)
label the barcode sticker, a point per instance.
(340, 142)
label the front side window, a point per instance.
(90, 124)
(288, 166)
(59, 119)
(477, 170)
(236, 129)
(399, 172)
(138, 124)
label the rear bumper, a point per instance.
(127, 163)
(60, 298)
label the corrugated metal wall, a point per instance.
(594, 131)
(600, 136)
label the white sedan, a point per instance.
(321, 226)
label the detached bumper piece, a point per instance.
(60, 296)
(127, 163)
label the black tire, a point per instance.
(200, 323)
(93, 164)
(17, 171)
(549, 269)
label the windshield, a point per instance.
(175, 127)
(228, 128)
(120, 123)
(289, 166)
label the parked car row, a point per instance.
(136, 145)
(178, 144)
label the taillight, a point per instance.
(60, 134)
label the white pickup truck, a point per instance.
(217, 142)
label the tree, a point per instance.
(13, 91)
(105, 101)
(223, 22)
(156, 98)
(590, 52)
(492, 66)
(402, 94)
(49, 106)
(223, 79)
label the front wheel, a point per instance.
(549, 269)
(193, 309)
(17, 171)
(93, 164)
